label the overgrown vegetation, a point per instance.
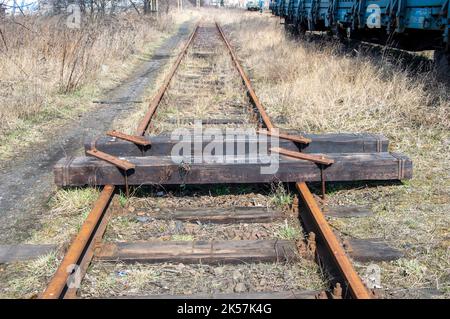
(289, 232)
(318, 86)
(48, 70)
(281, 198)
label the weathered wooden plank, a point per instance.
(297, 294)
(153, 170)
(214, 252)
(347, 211)
(23, 252)
(205, 121)
(414, 293)
(227, 215)
(371, 250)
(163, 146)
(233, 252)
(324, 143)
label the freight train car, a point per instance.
(413, 25)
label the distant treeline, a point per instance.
(23, 7)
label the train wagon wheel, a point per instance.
(287, 24)
(290, 28)
(442, 63)
(301, 28)
(340, 33)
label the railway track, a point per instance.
(199, 86)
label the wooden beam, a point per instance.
(162, 145)
(347, 211)
(23, 252)
(371, 250)
(296, 294)
(205, 121)
(154, 170)
(214, 252)
(232, 252)
(229, 215)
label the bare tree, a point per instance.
(2, 9)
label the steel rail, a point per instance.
(81, 251)
(356, 286)
(343, 263)
(58, 284)
(247, 82)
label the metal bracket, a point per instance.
(138, 140)
(124, 165)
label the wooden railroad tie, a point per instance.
(233, 251)
(24, 252)
(213, 215)
(297, 294)
(214, 252)
(162, 145)
(153, 170)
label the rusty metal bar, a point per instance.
(323, 183)
(81, 251)
(138, 140)
(142, 128)
(318, 159)
(85, 260)
(293, 138)
(58, 284)
(247, 82)
(122, 164)
(355, 284)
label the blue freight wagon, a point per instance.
(414, 25)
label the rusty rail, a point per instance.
(142, 128)
(355, 285)
(344, 265)
(58, 284)
(81, 250)
(248, 85)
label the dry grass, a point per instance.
(67, 211)
(314, 87)
(50, 73)
(27, 279)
